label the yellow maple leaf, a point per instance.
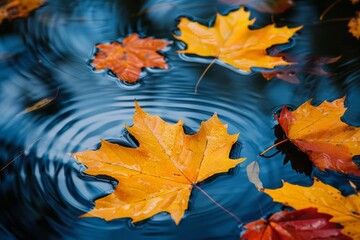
(354, 26)
(327, 199)
(18, 8)
(159, 175)
(319, 132)
(231, 40)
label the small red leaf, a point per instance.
(302, 224)
(267, 6)
(302, 64)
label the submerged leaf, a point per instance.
(267, 6)
(304, 64)
(327, 199)
(231, 40)
(127, 59)
(302, 224)
(319, 132)
(40, 104)
(158, 176)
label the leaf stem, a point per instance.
(204, 72)
(328, 9)
(276, 144)
(336, 20)
(21, 153)
(218, 204)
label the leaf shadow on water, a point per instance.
(299, 160)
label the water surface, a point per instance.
(43, 191)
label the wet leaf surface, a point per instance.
(159, 175)
(327, 199)
(303, 224)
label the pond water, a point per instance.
(47, 55)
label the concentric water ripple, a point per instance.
(43, 190)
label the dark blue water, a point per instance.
(43, 191)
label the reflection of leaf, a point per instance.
(127, 59)
(231, 40)
(18, 8)
(354, 26)
(319, 132)
(345, 210)
(159, 175)
(40, 104)
(304, 64)
(268, 6)
(302, 224)
(253, 171)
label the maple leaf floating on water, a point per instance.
(231, 40)
(312, 65)
(18, 8)
(354, 26)
(319, 132)
(158, 176)
(127, 59)
(301, 224)
(327, 199)
(267, 6)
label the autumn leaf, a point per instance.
(231, 40)
(302, 224)
(354, 25)
(305, 64)
(319, 132)
(267, 6)
(327, 199)
(40, 104)
(158, 176)
(253, 171)
(18, 8)
(127, 59)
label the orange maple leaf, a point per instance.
(354, 26)
(327, 199)
(158, 176)
(319, 132)
(301, 225)
(18, 8)
(127, 59)
(231, 40)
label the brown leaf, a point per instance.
(302, 64)
(267, 6)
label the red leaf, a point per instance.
(302, 224)
(302, 64)
(127, 59)
(267, 6)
